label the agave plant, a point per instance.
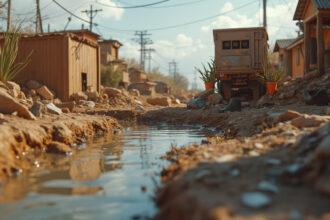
(8, 54)
(270, 73)
(207, 74)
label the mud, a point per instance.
(23, 141)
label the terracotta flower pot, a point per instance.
(209, 85)
(271, 88)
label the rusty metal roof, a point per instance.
(283, 44)
(319, 4)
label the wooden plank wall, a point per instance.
(83, 58)
(47, 63)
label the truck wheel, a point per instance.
(257, 88)
(226, 90)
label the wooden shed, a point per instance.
(67, 62)
(315, 15)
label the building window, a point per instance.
(245, 44)
(226, 45)
(236, 44)
(298, 56)
(84, 82)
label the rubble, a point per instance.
(58, 148)
(45, 93)
(33, 85)
(79, 96)
(8, 105)
(160, 101)
(53, 109)
(255, 200)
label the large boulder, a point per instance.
(14, 89)
(9, 105)
(93, 95)
(112, 92)
(69, 105)
(78, 96)
(45, 93)
(160, 101)
(32, 84)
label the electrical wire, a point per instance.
(179, 4)
(132, 7)
(203, 19)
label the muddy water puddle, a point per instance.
(110, 179)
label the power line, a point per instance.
(148, 57)
(202, 19)
(132, 7)
(91, 13)
(179, 4)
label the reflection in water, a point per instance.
(101, 182)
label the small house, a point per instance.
(109, 50)
(162, 88)
(110, 57)
(136, 75)
(283, 54)
(67, 62)
(145, 88)
(291, 58)
(315, 15)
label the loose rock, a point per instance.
(255, 200)
(8, 105)
(45, 93)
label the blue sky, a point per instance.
(188, 45)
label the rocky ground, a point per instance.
(269, 161)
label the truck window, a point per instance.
(236, 44)
(245, 44)
(226, 45)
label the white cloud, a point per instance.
(280, 23)
(228, 6)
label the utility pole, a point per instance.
(8, 15)
(39, 28)
(91, 13)
(265, 13)
(148, 56)
(173, 68)
(143, 40)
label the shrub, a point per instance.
(207, 74)
(111, 76)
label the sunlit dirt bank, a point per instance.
(21, 140)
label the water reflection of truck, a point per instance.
(239, 57)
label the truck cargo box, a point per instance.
(240, 51)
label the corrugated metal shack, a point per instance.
(67, 62)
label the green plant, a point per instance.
(111, 76)
(8, 54)
(207, 74)
(271, 73)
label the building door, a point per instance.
(84, 82)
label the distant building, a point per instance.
(162, 88)
(109, 51)
(145, 88)
(110, 57)
(67, 62)
(136, 75)
(291, 58)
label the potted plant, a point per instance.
(207, 74)
(271, 76)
